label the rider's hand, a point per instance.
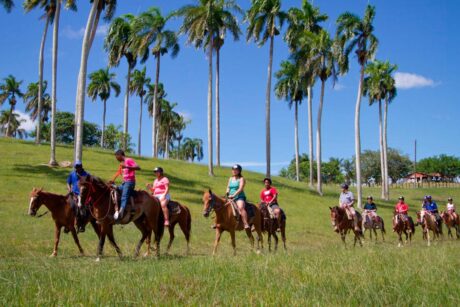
(230, 196)
(111, 182)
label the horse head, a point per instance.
(35, 202)
(336, 215)
(208, 202)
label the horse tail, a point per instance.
(189, 220)
(161, 224)
(383, 227)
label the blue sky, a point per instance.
(420, 36)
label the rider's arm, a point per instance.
(118, 173)
(228, 187)
(274, 199)
(166, 189)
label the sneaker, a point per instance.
(116, 215)
(246, 226)
(166, 223)
(81, 229)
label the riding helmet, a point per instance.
(158, 169)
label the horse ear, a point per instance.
(330, 208)
(209, 190)
(41, 189)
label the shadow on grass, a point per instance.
(42, 170)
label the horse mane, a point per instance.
(99, 182)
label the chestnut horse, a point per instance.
(226, 221)
(402, 225)
(147, 218)
(340, 219)
(428, 223)
(373, 223)
(451, 222)
(270, 225)
(184, 219)
(62, 213)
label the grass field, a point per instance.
(316, 269)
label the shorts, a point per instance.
(274, 206)
(167, 197)
(240, 197)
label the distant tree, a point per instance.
(447, 166)
(114, 138)
(192, 149)
(12, 124)
(7, 4)
(10, 90)
(31, 100)
(399, 165)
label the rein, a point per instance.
(88, 200)
(45, 213)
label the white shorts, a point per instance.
(168, 197)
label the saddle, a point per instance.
(173, 208)
(250, 211)
(132, 211)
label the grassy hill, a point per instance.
(316, 269)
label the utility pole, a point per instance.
(415, 163)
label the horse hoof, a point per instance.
(53, 255)
(98, 259)
(146, 254)
(258, 252)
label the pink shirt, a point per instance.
(160, 186)
(129, 174)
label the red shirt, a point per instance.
(267, 195)
(401, 208)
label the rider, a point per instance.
(451, 209)
(346, 201)
(269, 198)
(430, 206)
(128, 169)
(235, 191)
(370, 208)
(401, 209)
(160, 190)
(74, 191)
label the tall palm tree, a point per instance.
(354, 33)
(193, 149)
(149, 97)
(292, 87)
(7, 4)
(90, 31)
(11, 123)
(323, 65)
(119, 44)
(265, 20)
(102, 82)
(10, 90)
(138, 83)
(150, 30)
(31, 97)
(302, 22)
(169, 118)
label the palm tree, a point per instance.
(11, 123)
(292, 86)
(193, 148)
(10, 90)
(150, 30)
(137, 86)
(90, 31)
(354, 33)
(101, 83)
(303, 22)
(323, 65)
(169, 118)
(31, 99)
(7, 4)
(379, 85)
(119, 43)
(265, 20)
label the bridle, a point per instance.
(34, 199)
(88, 201)
(213, 205)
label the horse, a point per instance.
(184, 219)
(372, 224)
(451, 223)
(428, 223)
(402, 225)
(340, 219)
(271, 224)
(102, 200)
(226, 220)
(62, 213)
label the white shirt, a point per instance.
(346, 198)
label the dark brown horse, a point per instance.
(102, 201)
(451, 222)
(339, 219)
(226, 220)
(62, 213)
(401, 225)
(183, 218)
(270, 225)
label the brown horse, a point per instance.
(340, 219)
(147, 218)
(373, 223)
(226, 220)
(184, 219)
(62, 213)
(402, 225)
(428, 223)
(451, 222)
(271, 224)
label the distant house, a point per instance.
(422, 177)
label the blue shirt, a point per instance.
(370, 206)
(430, 206)
(73, 181)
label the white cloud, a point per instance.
(187, 116)
(406, 80)
(338, 87)
(102, 30)
(71, 33)
(28, 124)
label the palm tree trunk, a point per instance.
(296, 140)
(140, 129)
(94, 27)
(358, 139)
(319, 178)
(103, 123)
(210, 158)
(81, 87)
(167, 144)
(385, 149)
(217, 108)
(310, 134)
(156, 115)
(267, 108)
(382, 161)
(126, 109)
(40, 81)
(10, 116)
(57, 14)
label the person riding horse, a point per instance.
(451, 209)
(235, 192)
(160, 189)
(401, 210)
(370, 208)
(74, 191)
(346, 202)
(127, 168)
(430, 207)
(269, 198)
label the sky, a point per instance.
(420, 36)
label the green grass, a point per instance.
(316, 269)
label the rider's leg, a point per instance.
(164, 207)
(244, 216)
(277, 213)
(125, 194)
(355, 218)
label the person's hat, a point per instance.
(77, 163)
(237, 166)
(344, 186)
(370, 197)
(401, 197)
(449, 199)
(158, 170)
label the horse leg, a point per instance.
(276, 240)
(112, 241)
(171, 236)
(142, 227)
(100, 245)
(342, 235)
(57, 235)
(283, 235)
(428, 237)
(75, 238)
(96, 228)
(232, 235)
(269, 241)
(186, 232)
(216, 241)
(375, 233)
(251, 237)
